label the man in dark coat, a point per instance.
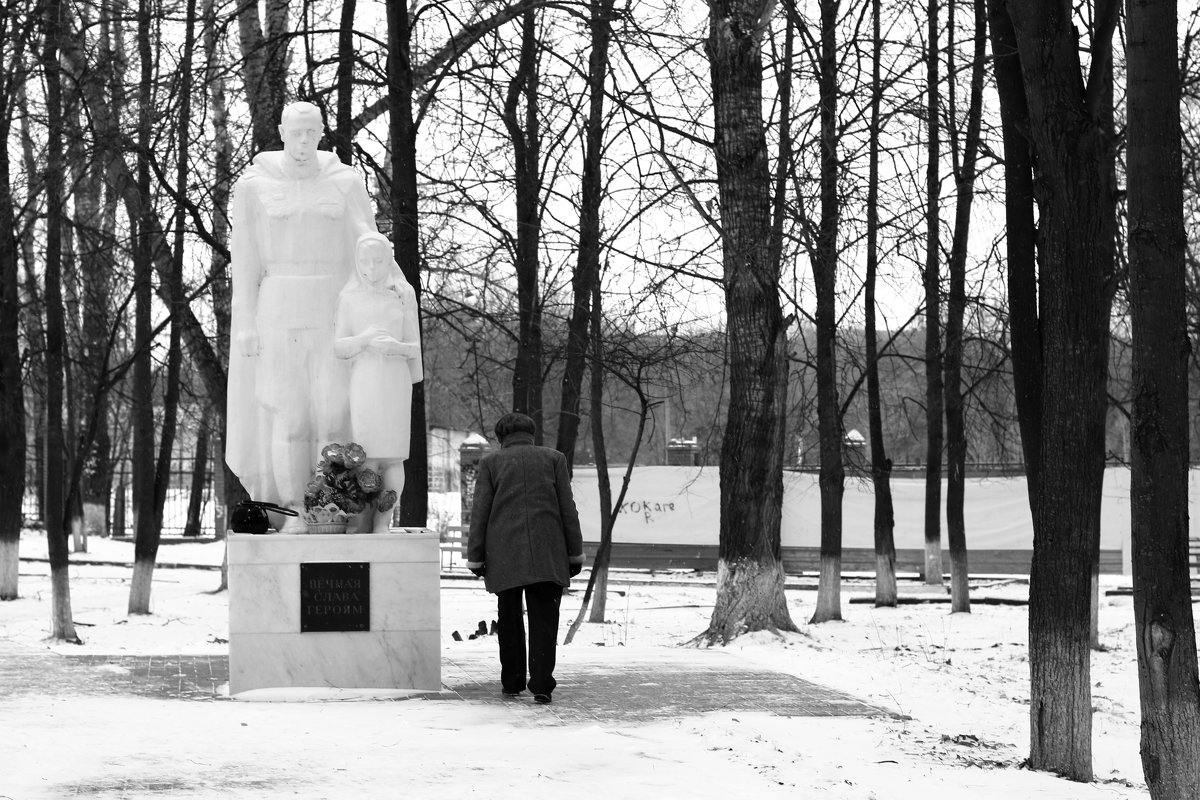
(526, 545)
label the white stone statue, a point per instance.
(377, 330)
(295, 217)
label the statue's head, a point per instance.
(373, 257)
(301, 128)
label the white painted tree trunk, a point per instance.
(885, 581)
(933, 562)
(139, 588)
(749, 598)
(9, 564)
(599, 597)
(62, 621)
(829, 591)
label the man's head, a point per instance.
(515, 422)
(300, 128)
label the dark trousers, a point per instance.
(542, 601)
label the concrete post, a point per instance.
(470, 451)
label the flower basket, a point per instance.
(327, 527)
(326, 519)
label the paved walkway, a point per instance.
(594, 686)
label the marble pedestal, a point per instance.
(401, 649)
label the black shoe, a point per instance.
(542, 698)
(512, 692)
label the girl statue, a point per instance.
(376, 328)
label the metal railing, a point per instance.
(180, 514)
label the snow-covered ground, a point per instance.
(961, 680)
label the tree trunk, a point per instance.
(526, 143)
(933, 307)
(881, 465)
(598, 578)
(1166, 635)
(12, 392)
(62, 624)
(145, 522)
(750, 593)
(956, 302)
(1023, 323)
(1068, 505)
(587, 268)
(118, 514)
(402, 132)
(824, 266)
(343, 133)
(1070, 135)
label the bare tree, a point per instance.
(404, 202)
(1166, 634)
(933, 307)
(524, 131)
(1019, 242)
(881, 465)
(825, 268)
(750, 575)
(13, 41)
(587, 269)
(146, 530)
(1062, 426)
(956, 302)
(63, 626)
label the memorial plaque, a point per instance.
(335, 596)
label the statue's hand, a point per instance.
(366, 340)
(389, 345)
(248, 342)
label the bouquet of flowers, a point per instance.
(341, 486)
